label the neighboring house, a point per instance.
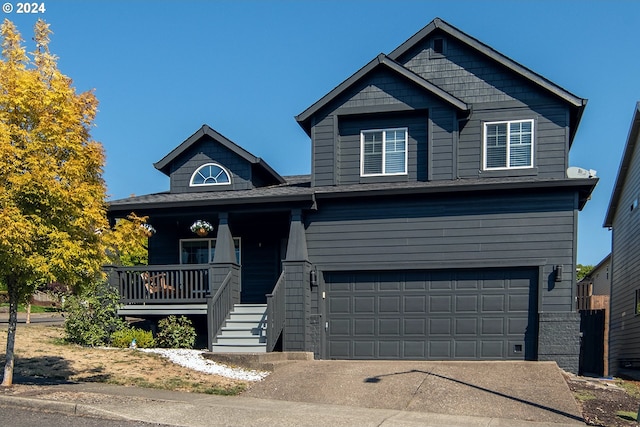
(594, 288)
(623, 219)
(437, 223)
(593, 303)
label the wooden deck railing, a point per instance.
(161, 284)
(275, 313)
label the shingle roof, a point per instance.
(577, 104)
(297, 189)
(380, 61)
(206, 130)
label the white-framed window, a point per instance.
(383, 152)
(210, 174)
(201, 251)
(508, 145)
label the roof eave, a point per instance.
(437, 23)
(304, 118)
(632, 139)
(163, 164)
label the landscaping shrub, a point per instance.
(175, 332)
(92, 317)
(123, 338)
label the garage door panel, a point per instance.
(340, 327)
(389, 304)
(518, 303)
(440, 314)
(415, 327)
(440, 326)
(440, 304)
(492, 349)
(493, 303)
(364, 304)
(492, 326)
(389, 327)
(467, 304)
(364, 327)
(414, 350)
(465, 349)
(339, 305)
(466, 327)
(439, 349)
(364, 349)
(415, 304)
(389, 350)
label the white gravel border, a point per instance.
(192, 359)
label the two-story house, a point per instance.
(437, 222)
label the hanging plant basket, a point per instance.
(201, 228)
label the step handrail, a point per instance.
(275, 313)
(219, 307)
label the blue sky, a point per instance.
(161, 69)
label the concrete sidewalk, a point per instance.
(197, 410)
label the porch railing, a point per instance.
(275, 313)
(219, 307)
(161, 284)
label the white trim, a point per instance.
(508, 154)
(384, 131)
(191, 184)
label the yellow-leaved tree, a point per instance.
(53, 224)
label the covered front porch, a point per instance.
(235, 279)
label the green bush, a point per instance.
(123, 338)
(175, 332)
(92, 317)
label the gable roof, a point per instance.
(381, 60)
(165, 163)
(625, 163)
(576, 103)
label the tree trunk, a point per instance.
(7, 379)
(28, 313)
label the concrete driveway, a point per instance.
(534, 391)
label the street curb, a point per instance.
(58, 406)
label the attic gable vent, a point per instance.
(438, 45)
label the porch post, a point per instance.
(225, 249)
(297, 270)
(224, 261)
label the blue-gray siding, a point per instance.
(454, 146)
(451, 232)
(208, 151)
(625, 260)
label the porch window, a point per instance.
(201, 251)
(210, 174)
(508, 145)
(383, 152)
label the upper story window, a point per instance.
(210, 174)
(508, 145)
(383, 152)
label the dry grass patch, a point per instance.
(42, 355)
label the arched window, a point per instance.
(210, 174)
